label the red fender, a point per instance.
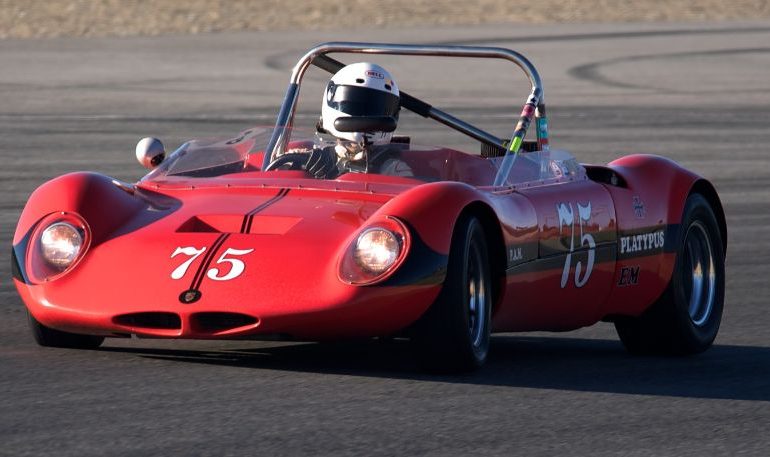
(432, 210)
(97, 198)
(653, 198)
(664, 180)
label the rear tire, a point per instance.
(453, 335)
(49, 337)
(685, 319)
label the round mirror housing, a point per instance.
(150, 152)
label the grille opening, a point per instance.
(218, 322)
(156, 320)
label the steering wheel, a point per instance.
(297, 161)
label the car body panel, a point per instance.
(546, 231)
(576, 256)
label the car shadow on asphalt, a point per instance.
(591, 365)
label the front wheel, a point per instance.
(453, 335)
(49, 337)
(686, 318)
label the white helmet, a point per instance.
(360, 89)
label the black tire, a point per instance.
(49, 337)
(685, 319)
(453, 335)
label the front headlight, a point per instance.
(57, 244)
(375, 252)
(60, 244)
(376, 249)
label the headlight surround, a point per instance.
(56, 246)
(375, 252)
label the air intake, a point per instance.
(220, 322)
(157, 320)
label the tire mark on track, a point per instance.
(592, 71)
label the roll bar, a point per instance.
(534, 106)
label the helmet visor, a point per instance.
(362, 101)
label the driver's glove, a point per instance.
(322, 164)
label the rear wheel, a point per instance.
(686, 318)
(453, 335)
(49, 337)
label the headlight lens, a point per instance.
(60, 244)
(57, 244)
(375, 253)
(376, 250)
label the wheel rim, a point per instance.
(477, 299)
(699, 273)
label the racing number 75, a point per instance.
(567, 217)
(236, 265)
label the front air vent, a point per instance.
(220, 322)
(239, 223)
(153, 320)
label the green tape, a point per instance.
(515, 144)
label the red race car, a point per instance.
(356, 232)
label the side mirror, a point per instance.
(366, 124)
(150, 152)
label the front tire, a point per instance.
(685, 319)
(453, 335)
(49, 337)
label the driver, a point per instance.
(359, 90)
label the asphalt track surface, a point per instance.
(698, 93)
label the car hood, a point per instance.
(258, 244)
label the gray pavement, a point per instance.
(698, 93)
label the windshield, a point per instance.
(242, 155)
(213, 157)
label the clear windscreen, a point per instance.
(215, 157)
(537, 168)
(244, 153)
